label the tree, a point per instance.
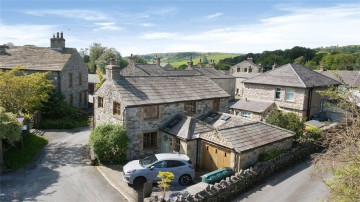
(10, 130)
(96, 50)
(109, 143)
(23, 93)
(104, 59)
(166, 179)
(288, 120)
(342, 154)
(300, 60)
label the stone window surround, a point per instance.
(152, 142)
(289, 91)
(277, 93)
(147, 116)
(216, 104)
(116, 108)
(100, 103)
(70, 75)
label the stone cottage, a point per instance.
(65, 67)
(242, 71)
(216, 140)
(143, 102)
(252, 109)
(293, 88)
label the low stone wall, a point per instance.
(244, 179)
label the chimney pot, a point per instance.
(57, 34)
(112, 61)
(62, 35)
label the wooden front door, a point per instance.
(214, 157)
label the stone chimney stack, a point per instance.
(131, 60)
(322, 68)
(200, 65)
(274, 66)
(3, 49)
(112, 70)
(57, 43)
(212, 64)
(156, 60)
(190, 63)
(250, 59)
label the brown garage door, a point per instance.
(214, 157)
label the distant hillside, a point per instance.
(340, 49)
(181, 58)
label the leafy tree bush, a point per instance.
(288, 120)
(312, 134)
(166, 179)
(10, 130)
(109, 143)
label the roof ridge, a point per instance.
(297, 74)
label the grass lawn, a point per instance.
(16, 158)
(64, 123)
(214, 56)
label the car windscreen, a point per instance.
(148, 160)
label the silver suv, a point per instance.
(139, 171)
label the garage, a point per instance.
(214, 157)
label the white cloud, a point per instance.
(158, 35)
(25, 34)
(107, 26)
(215, 15)
(88, 15)
(147, 25)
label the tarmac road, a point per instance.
(60, 173)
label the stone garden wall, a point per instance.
(244, 179)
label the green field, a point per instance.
(177, 59)
(210, 56)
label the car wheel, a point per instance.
(185, 180)
(139, 181)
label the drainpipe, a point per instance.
(309, 103)
(197, 152)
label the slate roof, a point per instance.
(246, 61)
(185, 127)
(212, 73)
(240, 134)
(254, 135)
(245, 74)
(93, 78)
(252, 105)
(349, 77)
(35, 58)
(137, 91)
(293, 75)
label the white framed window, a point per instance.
(277, 93)
(246, 114)
(289, 94)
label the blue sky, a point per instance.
(141, 27)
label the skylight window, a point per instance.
(174, 122)
(225, 117)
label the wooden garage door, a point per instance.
(214, 157)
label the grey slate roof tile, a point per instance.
(252, 105)
(136, 91)
(35, 58)
(293, 75)
(348, 77)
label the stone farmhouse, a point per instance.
(293, 88)
(65, 67)
(242, 71)
(176, 111)
(216, 140)
(252, 109)
(143, 103)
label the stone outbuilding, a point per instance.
(252, 109)
(293, 88)
(142, 103)
(65, 67)
(217, 140)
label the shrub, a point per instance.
(289, 121)
(266, 156)
(312, 134)
(109, 143)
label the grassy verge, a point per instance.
(16, 158)
(214, 56)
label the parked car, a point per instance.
(138, 172)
